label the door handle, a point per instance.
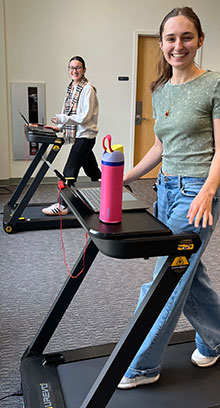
(139, 117)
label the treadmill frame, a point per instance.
(39, 371)
(12, 216)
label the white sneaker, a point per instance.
(203, 361)
(127, 383)
(55, 209)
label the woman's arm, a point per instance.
(151, 159)
(90, 104)
(202, 203)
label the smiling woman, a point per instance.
(190, 31)
(78, 123)
(179, 44)
(186, 109)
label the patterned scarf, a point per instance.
(70, 107)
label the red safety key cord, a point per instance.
(61, 185)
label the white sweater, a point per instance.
(86, 116)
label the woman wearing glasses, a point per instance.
(78, 122)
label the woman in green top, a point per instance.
(186, 106)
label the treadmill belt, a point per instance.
(33, 218)
(35, 211)
(181, 385)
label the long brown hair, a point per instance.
(164, 69)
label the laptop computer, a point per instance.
(91, 196)
(38, 128)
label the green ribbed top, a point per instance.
(187, 130)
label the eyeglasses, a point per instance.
(74, 68)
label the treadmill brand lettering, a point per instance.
(186, 245)
(46, 395)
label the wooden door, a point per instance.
(148, 56)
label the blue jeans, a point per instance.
(193, 294)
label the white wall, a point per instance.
(5, 161)
(41, 36)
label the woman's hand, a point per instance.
(201, 207)
(55, 128)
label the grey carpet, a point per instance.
(32, 272)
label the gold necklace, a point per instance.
(169, 110)
(171, 106)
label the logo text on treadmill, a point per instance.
(185, 245)
(45, 392)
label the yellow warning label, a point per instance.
(180, 261)
(55, 147)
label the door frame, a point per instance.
(136, 34)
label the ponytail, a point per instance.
(164, 71)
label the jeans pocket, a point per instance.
(191, 189)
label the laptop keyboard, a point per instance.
(92, 196)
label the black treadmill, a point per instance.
(20, 216)
(88, 377)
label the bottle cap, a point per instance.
(116, 147)
(112, 154)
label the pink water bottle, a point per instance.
(112, 167)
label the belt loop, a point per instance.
(180, 181)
